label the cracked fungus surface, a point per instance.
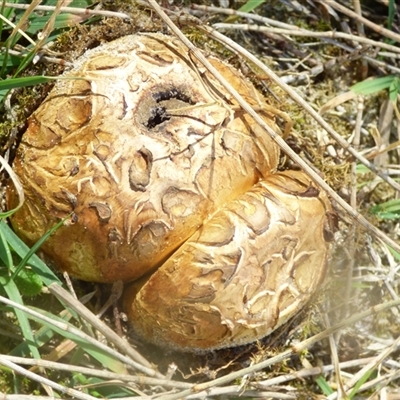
(164, 181)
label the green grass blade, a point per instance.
(370, 86)
(14, 295)
(249, 6)
(394, 253)
(46, 274)
(387, 210)
(5, 252)
(390, 14)
(13, 83)
(362, 169)
(323, 385)
(103, 389)
(98, 354)
(362, 380)
(62, 21)
(8, 62)
(68, 331)
(43, 335)
(36, 247)
(28, 282)
(394, 89)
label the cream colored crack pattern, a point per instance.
(156, 167)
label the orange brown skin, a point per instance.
(146, 157)
(83, 153)
(242, 274)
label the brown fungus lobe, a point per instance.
(167, 183)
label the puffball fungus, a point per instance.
(163, 179)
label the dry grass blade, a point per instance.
(370, 366)
(35, 377)
(361, 32)
(385, 32)
(48, 28)
(334, 356)
(281, 142)
(307, 33)
(28, 397)
(17, 30)
(72, 10)
(56, 366)
(16, 182)
(122, 344)
(81, 335)
(23, 22)
(306, 372)
(289, 29)
(340, 99)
